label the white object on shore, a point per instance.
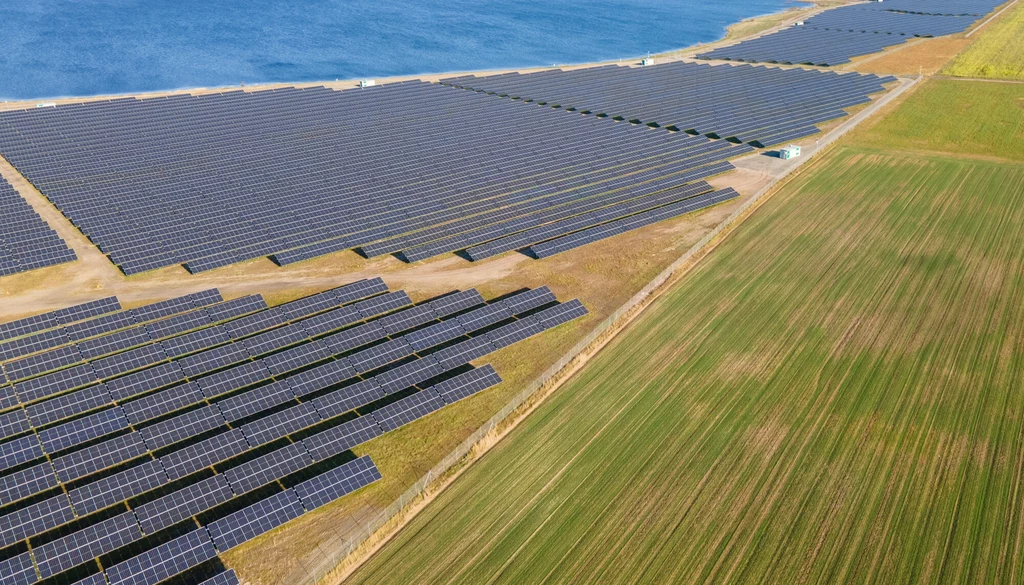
(367, 83)
(791, 151)
(46, 105)
(799, 23)
(646, 62)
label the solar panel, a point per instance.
(234, 378)
(40, 363)
(18, 451)
(178, 324)
(117, 341)
(99, 325)
(297, 357)
(160, 403)
(408, 409)
(13, 423)
(183, 504)
(275, 339)
(164, 561)
(86, 544)
(435, 334)
(280, 424)
(173, 306)
(463, 352)
(345, 399)
(484, 316)
(407, 319)
(204, 454)
(257, 519)
(181, 427)
(380, 355)
(257, 322)
(256, 400)
(83, 430)
(26, 482)
(335, 440)
(68, 405)
(140, 382)
(94, 579)
(268, 468)
(100, 456)
(194, 341)
(340, 481)
(561, 313)
(528, 300)
(35, 519)
(131, 360)
(87, 310)
(36, 342)
(320, 377)
(360, 289)
(212, 359)
(55, 383)
(354, 337)
(117, 488)
(409, 374)
(27, 325)
(225, 578)
(236, 307)
(18, 570)
(515, 332)
(464, 385)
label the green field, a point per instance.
(970, 118)
(833, 396)
(998, 52)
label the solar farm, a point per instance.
(836, 36)
(190, 426)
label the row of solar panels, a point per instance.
(836, 36)
(186, 445)
(26, 242)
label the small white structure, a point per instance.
(47, 105)
(799, 23)
(647, 61)
(791, 151)
(367, 83)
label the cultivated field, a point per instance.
(998, 53)
(831, 397)
(966, 118)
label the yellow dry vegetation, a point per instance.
(998, 53)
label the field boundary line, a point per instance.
(338, 556)
(990, 19)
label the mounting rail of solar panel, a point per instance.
(757, 105)
(405, 362)
(295, 173)
(799, 45)
(26, 242)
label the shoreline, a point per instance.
(804, 7)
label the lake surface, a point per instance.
(52, 48)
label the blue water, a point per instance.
(51, 48)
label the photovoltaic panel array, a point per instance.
(757, 105)
(26, 242)
(835, 36)
(314, 407)
(211, 180)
